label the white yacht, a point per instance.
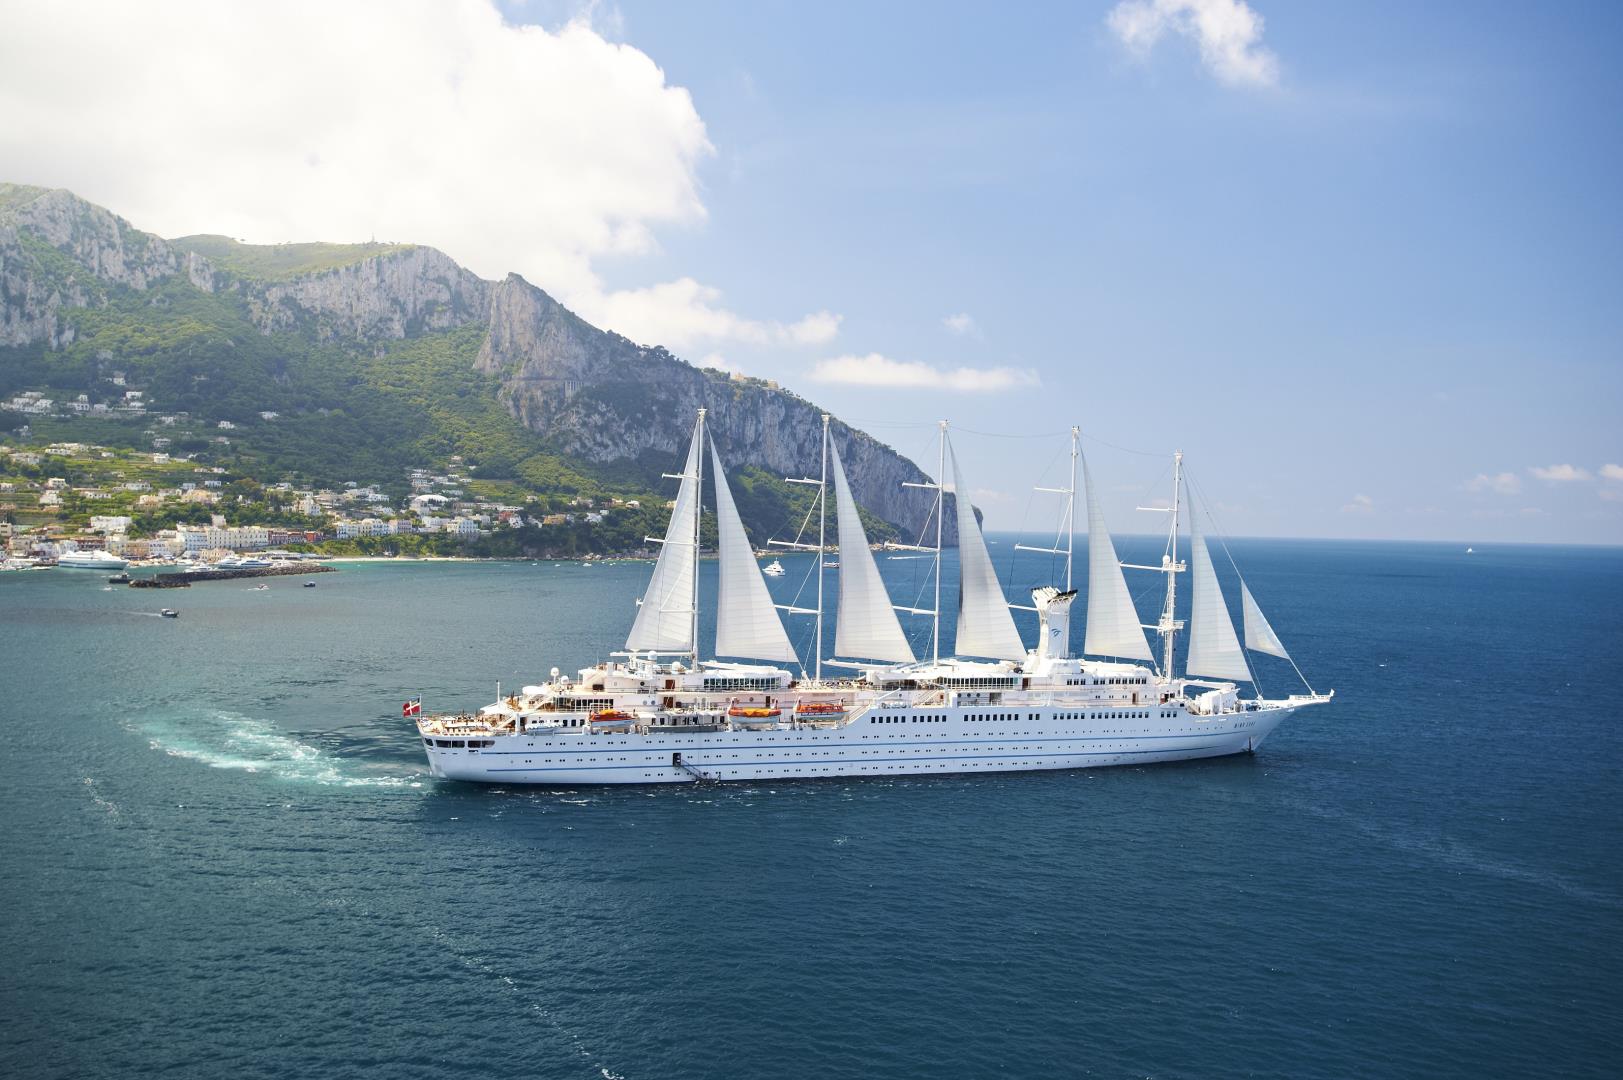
(90, 560)
(242, 562)
(774, 569)
(658, 713)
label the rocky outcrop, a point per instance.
(396, 295)
(109, 248)
(601, 397)
(58, 252)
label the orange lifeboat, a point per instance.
(820, 708)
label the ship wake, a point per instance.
(227, 740)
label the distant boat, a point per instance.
(1469, 550)
(169, 613)
(89, 560)
(309, 584)
(119, 579)
(774, 569)
(260, 588)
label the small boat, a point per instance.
(260, 588)
(309, 584)
(118, 579)
(1470, 551)
(169, 613)
(774, 569)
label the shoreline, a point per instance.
(474, 559)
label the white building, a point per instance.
(197, 538)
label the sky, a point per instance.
(1361, 262)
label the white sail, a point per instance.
(985, 624)
(1259, 636)
(867, 627)
(665, 619)
(1113, 626)
(1214, 651)
(746, 622)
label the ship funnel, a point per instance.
(1054, 616)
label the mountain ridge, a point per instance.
(67, 266)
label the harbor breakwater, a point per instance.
(182, 580)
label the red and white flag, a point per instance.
(412, 707)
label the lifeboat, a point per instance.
(742, 712)
(611, 719)
(820, 708)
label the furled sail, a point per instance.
(867, 627)
(1113, 626)
(985, 624)
(1259, 636)
(665, 619)
(1214, 651)
(746, 622)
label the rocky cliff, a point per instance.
(591, 393)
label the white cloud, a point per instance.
(1361, 504)
(1559, 474)
(434, 121)
(1505, 483)
(877, 370)
(961, 324)
(684, 312)
(1228, 32)
(1611, 472)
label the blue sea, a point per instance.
(220, 854)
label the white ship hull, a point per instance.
(1000, 707)
(888, 742)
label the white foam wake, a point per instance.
(226, 740)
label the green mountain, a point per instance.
(376, 359)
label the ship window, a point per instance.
(428, 742)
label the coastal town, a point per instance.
(161, 507)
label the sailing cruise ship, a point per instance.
(658, 713)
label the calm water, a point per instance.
(221, 856)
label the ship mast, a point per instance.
(822, 550)
(1069, 550)
(1168, 626)
(940, 512)
(698, 524)
(1070, 506)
